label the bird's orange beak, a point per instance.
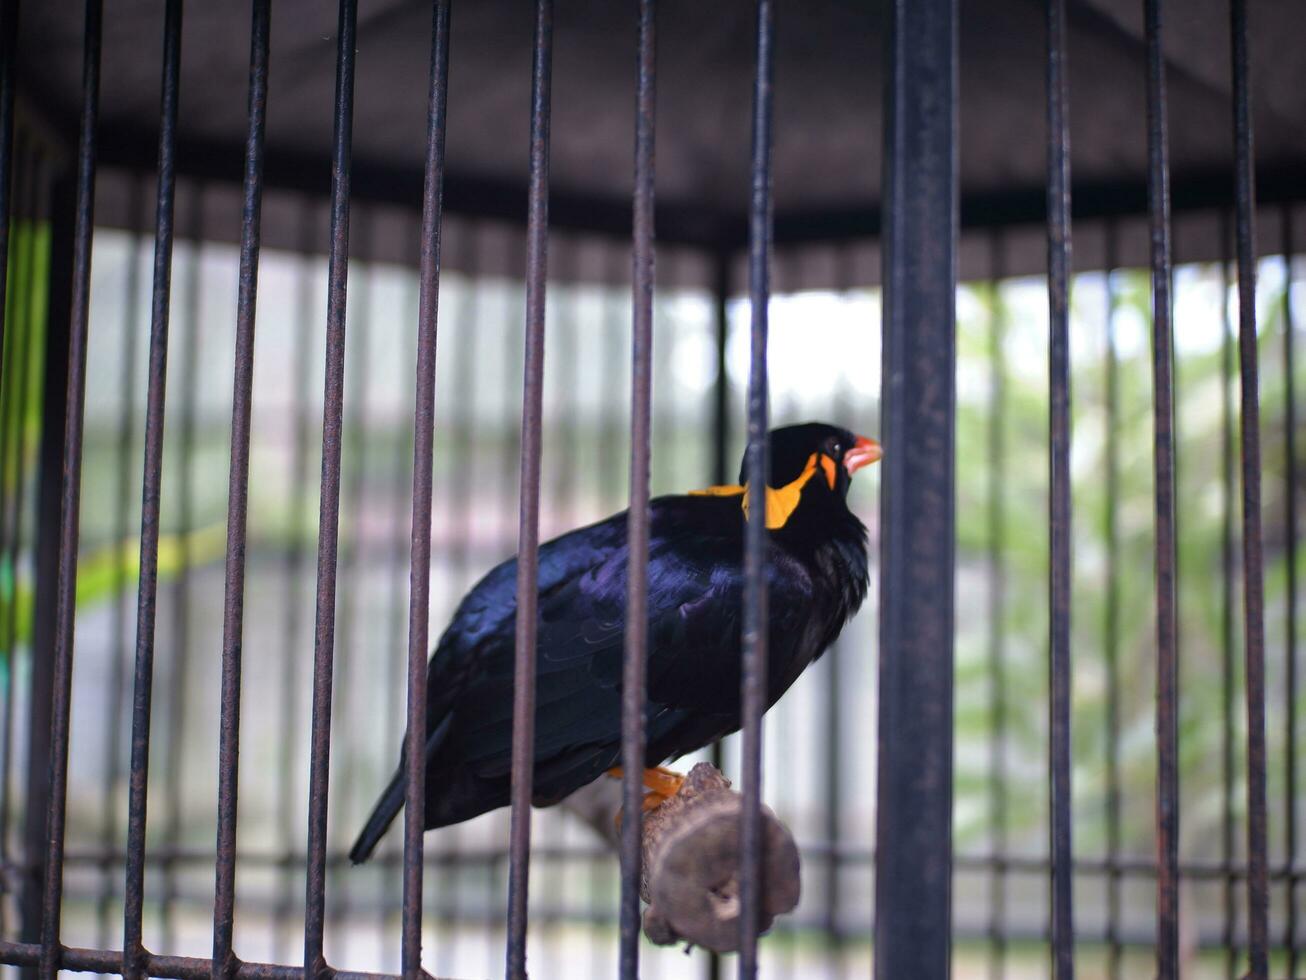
(864, 452)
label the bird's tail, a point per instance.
(383, 815)
(392, 800)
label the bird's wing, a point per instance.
(694, 598)
(477, 644)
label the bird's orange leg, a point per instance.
(661, 782)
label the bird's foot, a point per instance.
(662, 784)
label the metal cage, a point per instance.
(476, 237)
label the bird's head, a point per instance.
(812, 466)
(816, 452)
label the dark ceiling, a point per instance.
(829, 71)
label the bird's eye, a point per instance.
(836, 449)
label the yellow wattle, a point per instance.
(781, 502)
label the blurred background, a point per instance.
(820, 764)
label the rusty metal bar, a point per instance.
(635, 668)
(528, 543)
(753, 683)
(913, 884)
(1167, 687)
(237, 496)
(328, 536)
(152, 479)
(1258, 898)
(1059, 682)
(70, 500)
(1111, 610)
(419, 576)
(1290, 650)
(997, 604)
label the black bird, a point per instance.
(817, 579)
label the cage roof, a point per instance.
(830, 57)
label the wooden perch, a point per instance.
(690, 874)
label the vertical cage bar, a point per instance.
(1258, 900)
(1290, 646)
(1111, 612)
(237, 495)
(70, 499)
(753, 683)
(913, 883)
(528, 531)
(1059, 679)
(328, 535)
(637, 528)
(8, 60)
(419, 575)
(148, 580)
(1167, 692)
(997, 519)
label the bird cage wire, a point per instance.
(929, 849)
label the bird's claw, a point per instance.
(662, 784)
